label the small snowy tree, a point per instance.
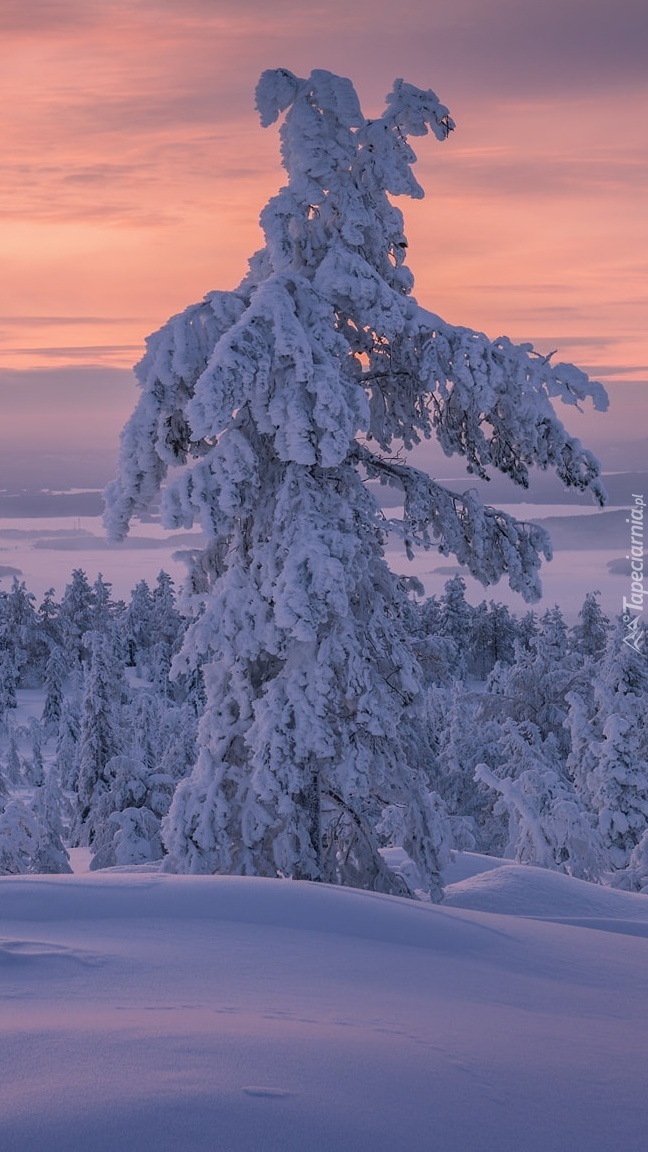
(589, 636)
(536, 686)
(464, 739)
(67, 744)
(28, 843)
(634, 877)
(14, 767)
(55, 674)
(76, 617)
(138, 625)
(34, 768)
(8, 682)
(19, 837)
(126, 814)
(276, 402)
(492, 638)
(608, 724)
(548, 825)
(20, 636)
(48, 620)
(100, 731)
(456, 618)
(136, 839)
(50, 854)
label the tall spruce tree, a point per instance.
(275, 402)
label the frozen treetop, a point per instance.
(322, 357)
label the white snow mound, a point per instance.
(522, 890)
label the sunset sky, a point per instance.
(134, 169)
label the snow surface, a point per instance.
(144, 1011)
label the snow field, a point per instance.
(179, 1014)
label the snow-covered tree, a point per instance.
(67, 744)
(634, 877)
(167, 628)
(20, 638)
(463, 740)
(535, 687)
(19, 835)
(456, 622)
(13, 770)
(608, 725)
(589, 636)
(50, 854)
(275, 402)
(27, 844)
(56, 671)
(48, 620)
(492, 638)
(8, 681)
(138, 626)
(548, 824)
(135, 839)
(76, 617)
(101, 730)
(104, 608)
(34, 768)
(128, 788)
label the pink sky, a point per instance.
(134, 168)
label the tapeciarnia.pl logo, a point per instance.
(634, 606)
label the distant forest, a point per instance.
(537, 734)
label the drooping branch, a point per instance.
(488, 541)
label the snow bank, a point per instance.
(521, 890)
(155, 1012)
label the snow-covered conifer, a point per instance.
(548, 825)
(464, 739)
(67, 744)
(8, 681)
(55, 674)
(608, 724)
(167, 631)
(27, 844)
(20, 637)
(138, 628)
(634, 877)
(535, 687)
(275, 402)
(76, 617)
(456, 622)
(104, 608)
(34, 768)
(589, 636)
(492, 638)
(135, 839)
(48, 620)
(129, 787)
(19, 835)
(527, 628)
(101, 729)
(13, 766)
(50, 854)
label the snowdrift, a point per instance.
(147, 1012)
